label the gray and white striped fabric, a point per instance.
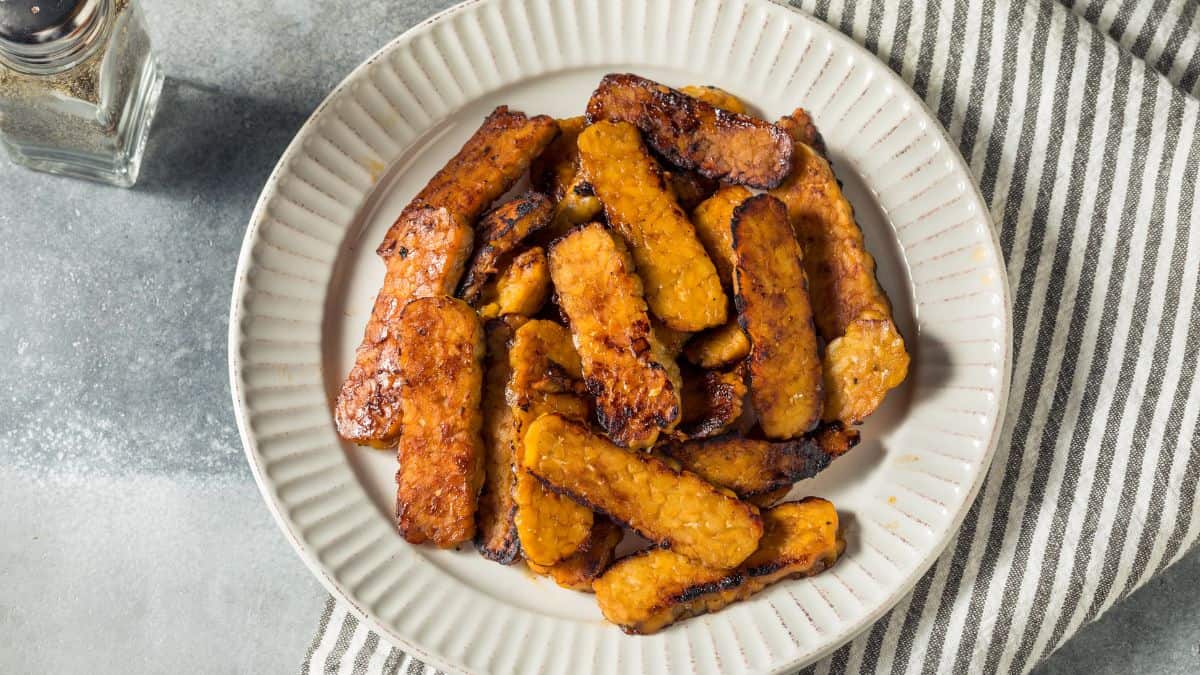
(1080, 122)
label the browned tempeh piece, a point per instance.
(441, 448)
(841, 273)
(578, 571)
(646, 592)
(675, 509)
(522, 287)
(634, 381)
(681, 284)
(865, 356)
(713, 219)
(689, 187)
(712, 402)
(753, 467)
(496, 532)
(428, 249)
(425, 251)
(862, 366)
(774, 310)
(556, 173)
(802, 129)
(718, 347)
(550, 526)
(490, 162)
(546, 378)
(693, 134)
(500, 232)
(716, 97)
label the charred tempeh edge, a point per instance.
(681, 283)
(676, 509)
(441, 448)
(774, 310)
(647, 592)
(835, 438)
(496, 531)
(712, 402)
(716, 97)
(634, 381)
(546, 378)
(425, 252)
(753, 467)
(693, 134)
(500, 231)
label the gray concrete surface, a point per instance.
(1156, 630)
(132, 538)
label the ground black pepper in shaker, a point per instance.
(78, 87)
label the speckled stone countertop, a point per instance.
(132, 537)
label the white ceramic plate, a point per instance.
(308, 275)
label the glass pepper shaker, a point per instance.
(78, 87)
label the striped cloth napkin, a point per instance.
(1080, 123)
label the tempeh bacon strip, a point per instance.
(647, 592)
(425, 252)
(496, 531)
(752, 467)
(441, 450)
(545, 378)
(693, 134)
(681, 283)
(428, 251)
(774, 311)
(865, 356)
(675, 509)
(634, 380)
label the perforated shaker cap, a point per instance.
(40, 35)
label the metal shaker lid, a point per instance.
(40, 34)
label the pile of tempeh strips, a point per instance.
(676, 324)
